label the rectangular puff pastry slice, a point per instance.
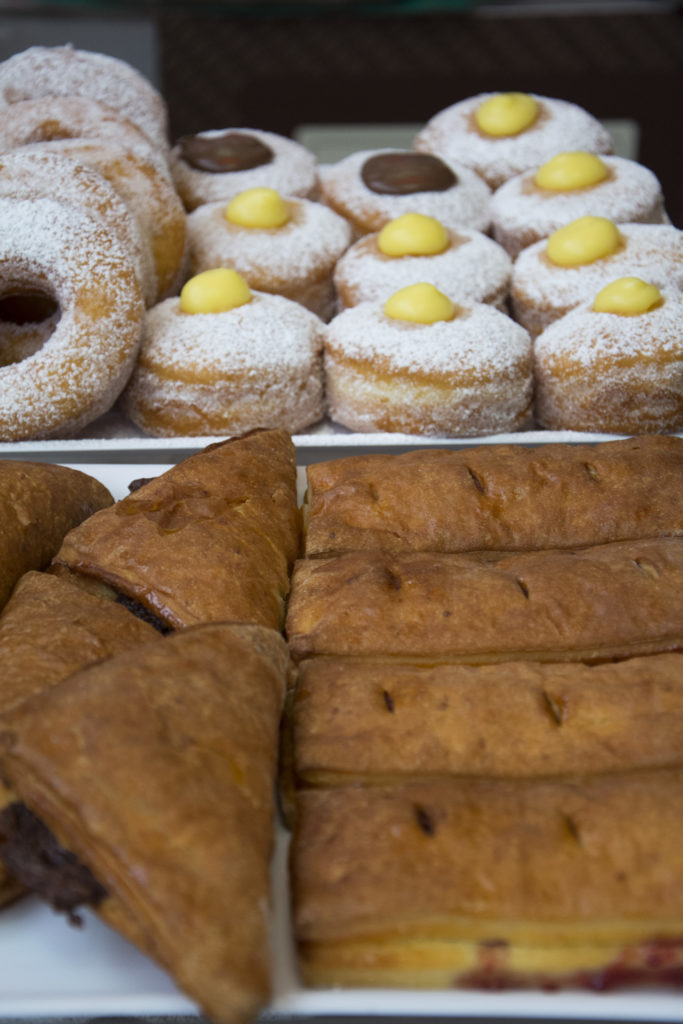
(611, 601)
(355, 721)
(156, 771)
(212, 539)
(39, 504)
(496, 497)
(492, 884)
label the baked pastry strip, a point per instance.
(156, 769)
(496, 497)
(211, 539)
(48, 630)
(594, 604)
(39, 504)
(492, 884)
(374, 723)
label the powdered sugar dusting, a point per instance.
(465, 205)
(64, 71)
(291, 172)
(84, 364)
(560, 126)
(473, 268)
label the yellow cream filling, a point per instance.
(214, 291)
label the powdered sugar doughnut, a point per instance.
(258, 365)
(52, 251)
(473, 268)
(213, 166)
(42, 71)
(611, 373)
(295, 260)
(459, 378)
(521, 212)
(34, 173)
(542, 291)
(454, 134)
(461, 200)
(149, 194)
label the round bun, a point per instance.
(610, 373)
(542, 291)
(276, 162)
(453, 134)
(463, 204)
(458, 378)
(257, 365)
(473, 268)
(522, 212)
(44, 71)
(50, 252)
(296, 260)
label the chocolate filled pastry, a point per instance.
(378, 724)
(39, 504)
(496, 497)
(483, 884)
(48, 630)
(149, 779)
(211, 539)
(592, 604)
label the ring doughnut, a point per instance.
(372, 187)
(34, 173)
(149, 194)
(56, 252)
(42, 71)
(455, 134)
(214, 166)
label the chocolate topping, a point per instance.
(218, 154)
(401, 174)
(34, 858)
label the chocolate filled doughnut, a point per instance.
(532, 205)
(58, 255)
(465, 264)
(556, 274)
(45, 71)
(286, 246)
(372, 187)
(213, 166)
(222, 359)
(500, 135)
(420, 364)
(614, 365)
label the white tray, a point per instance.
(50, 969)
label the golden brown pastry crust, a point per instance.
(594, 604)
(39, 504)
(424, 883)
(496, 497)
(376, 723)
(157, 769)
(211, 539)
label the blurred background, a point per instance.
(342, 75)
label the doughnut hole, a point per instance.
(28, 317)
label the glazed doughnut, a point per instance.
(401, 181)
(208, 369)
(287, 247)
(522, 211)
(542, 289)
(213, 166)
(43, 71)
(614, 372)
(471, 267)
(457, 377)
(34, 173)
(69, 257)
(149, 194)
(529, 129)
